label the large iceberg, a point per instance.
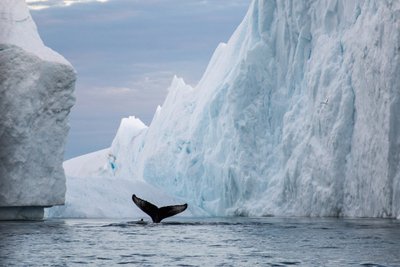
(36, 86)
(298, 114)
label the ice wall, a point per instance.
(298, 114)
(36, 86)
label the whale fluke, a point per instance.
(157, 214)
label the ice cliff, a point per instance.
(36, 86)
(298, 114)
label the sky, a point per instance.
(126, 52)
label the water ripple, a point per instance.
(202, 242)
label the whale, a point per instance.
(157, 214)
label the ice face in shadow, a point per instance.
(36, 86)
(298, 114)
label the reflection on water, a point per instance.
(202, 242)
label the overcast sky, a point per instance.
(126, 53)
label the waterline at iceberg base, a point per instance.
(297, 115)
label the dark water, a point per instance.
(202, 242)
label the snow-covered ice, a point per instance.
(19, 29)
(36, 86)
(297, 114)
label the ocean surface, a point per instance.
(202, 242)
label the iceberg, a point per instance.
(298, 114)
(101, 184)
(36, 86)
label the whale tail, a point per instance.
(157, 214)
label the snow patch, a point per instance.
(19, 29)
